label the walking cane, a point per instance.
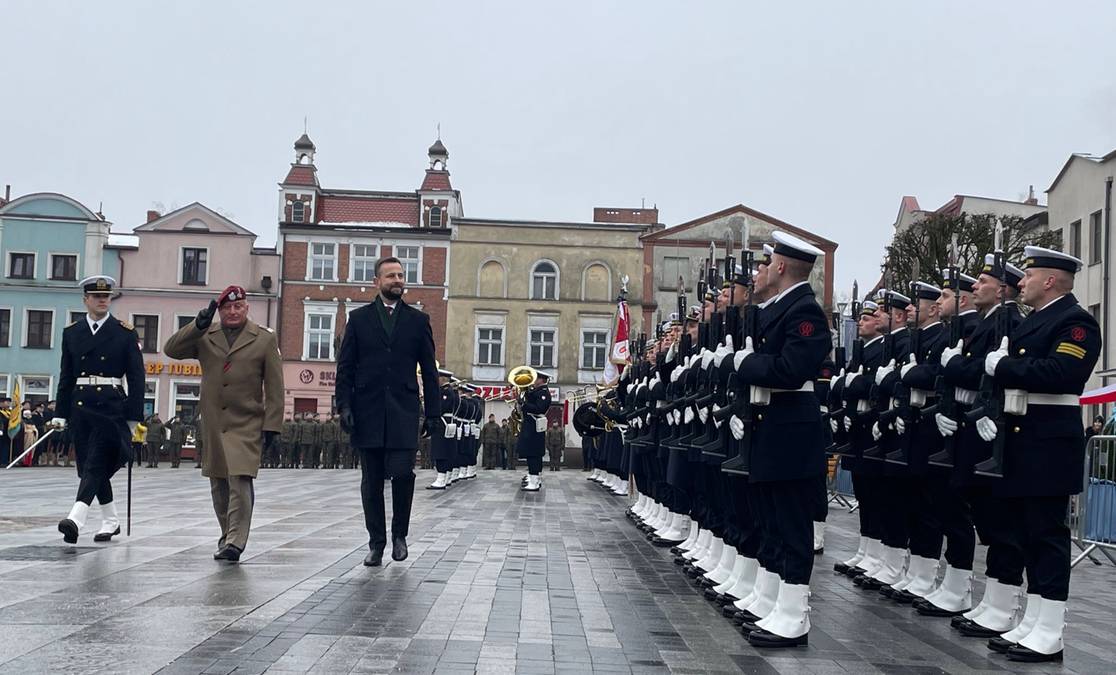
(129, 529)
(33, 446)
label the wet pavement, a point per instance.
(498, 581)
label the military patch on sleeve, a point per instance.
(1070, 349)
(1078, 334)
(805, 329)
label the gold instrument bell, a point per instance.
(522, 376)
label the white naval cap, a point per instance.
(792, 247)
(925, 291)
(1013, 274)
(965, 282)
(1037, 256)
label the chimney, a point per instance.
(8, 193)
(1031, 199)
(153, 215)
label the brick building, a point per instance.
(331, 240)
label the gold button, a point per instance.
(98, 389)
(759, 417)
(102, 358)
(1016, 429)
(968, 353)
(1022, 351)
(80, 403)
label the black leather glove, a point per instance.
(431, 426)
(205, 317)
(270, 437)
(347, 422)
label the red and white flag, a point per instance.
(620, 356)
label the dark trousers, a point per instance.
(866, 490)
(787, 519)
(923, 522)
(534, 465)
(748, 537)
(378, 464)
(957, 523)
(95, 483)
(894, 502)
(153, 449)
(1041, 530)
(443, 465)
(821, 500)
(996, 529)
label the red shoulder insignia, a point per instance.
(805, 329)
(1078, 334)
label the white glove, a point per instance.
(743, 353)
(689, 416)
(950, 352)
(833, 424)
(986, 428)
(993, 360)
(703, 415)
(132, 424)
(876, 434)
(848, 424)
(900, 425)
(946, 426)
(850, 377)
(677, 416)
(58, 423)
(736, 426)
(907, 367)
(707, 358)
(716, 422)
(719, 356)
(728, 346)
(676, 373)
(672, 352)
(884, 371)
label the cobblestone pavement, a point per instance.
(497, 581)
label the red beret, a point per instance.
(231, 294)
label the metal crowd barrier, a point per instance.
(838, 482)
(1093, 512)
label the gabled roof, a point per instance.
(1079, 156)
(664, 234)
(154, 225)
(436, 180)
(302, 174)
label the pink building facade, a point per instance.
(170, 268)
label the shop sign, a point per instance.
(173, 368)
(325, 378)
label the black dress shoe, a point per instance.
(375, 557)
(229, 553)
(1000, 645)
(904, 597)
(106, 536)
(1021, 653)
(748, 627)
(860, 579)
(743, 615)
(854, 572)
(886, 591)
(762, 638)
(398, 549)
(840, 568)
(819, 551)
(680, 560)
(69, 530)
(926, 608)
(870, 584)
(663, 543)
(970, 628)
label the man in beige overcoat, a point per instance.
(241, 402)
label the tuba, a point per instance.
(520, 377)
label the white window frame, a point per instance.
(543, 322)
(296, 203)
(11, 324)
(441, 217)
(158, 331)
(177, 328)
(502, 344)
(530, 344)
(8, 264)
(27, 324)
(6, 378)
(581, 348)
(365, 259)
(318, 309)
(592, 322)
(171, 412)
(72, 319)
(310, 256)
(182, 263)
(51, 255)
(557, 281)
(23, 387)
(585, 277)
(418, 261)
(154, 408)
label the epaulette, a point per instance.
(268, 329)
(72, 323)
(127, 325)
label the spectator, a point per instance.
(492, 438)
(1094, 428)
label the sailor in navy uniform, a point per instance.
(100, 397)
(788, 444)
(443, 440)
(1043, 369)
(531, 444)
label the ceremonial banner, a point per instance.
(620, 355)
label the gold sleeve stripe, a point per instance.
(1072, 347)
(1071, 350)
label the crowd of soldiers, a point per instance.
(731, 418)
(307, 441)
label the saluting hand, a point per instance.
(205, 317)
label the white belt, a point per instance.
(808, 387)
(97, 380)
(1053, 399)
(964, 396)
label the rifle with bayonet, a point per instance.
(990, 398)
(882, 404)
(904, 409)
(842, 440)
(738, 400)
(946, 394)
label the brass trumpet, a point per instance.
(522, 378)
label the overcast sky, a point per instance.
(823, 114)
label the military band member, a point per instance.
(531, 442)
(443, 445)
(100, 397)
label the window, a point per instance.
(435, 216)
(322, 261)
(298, 212)
(542, 347)
(63, 267)
(194, 266)
(182, 320)
(22, 266)
(672, 269)
(319, 337)
(594, 345)
(39, 328)
(147, 327)
(1095, 311)
(4, 385)
(491, 346)
(1075, 238)
(35, 388)
(184, 403)
(1096, 238)
(410, 257)
(544, 282)
(5, 327)
(362, 263)
(150, 391)
(76, 316)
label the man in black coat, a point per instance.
(377, 396)
(100, 355)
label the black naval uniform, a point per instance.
(895, 486)
(531, 444)
(98, 413)
(788, 446)
(866, 474)
(444, 450)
